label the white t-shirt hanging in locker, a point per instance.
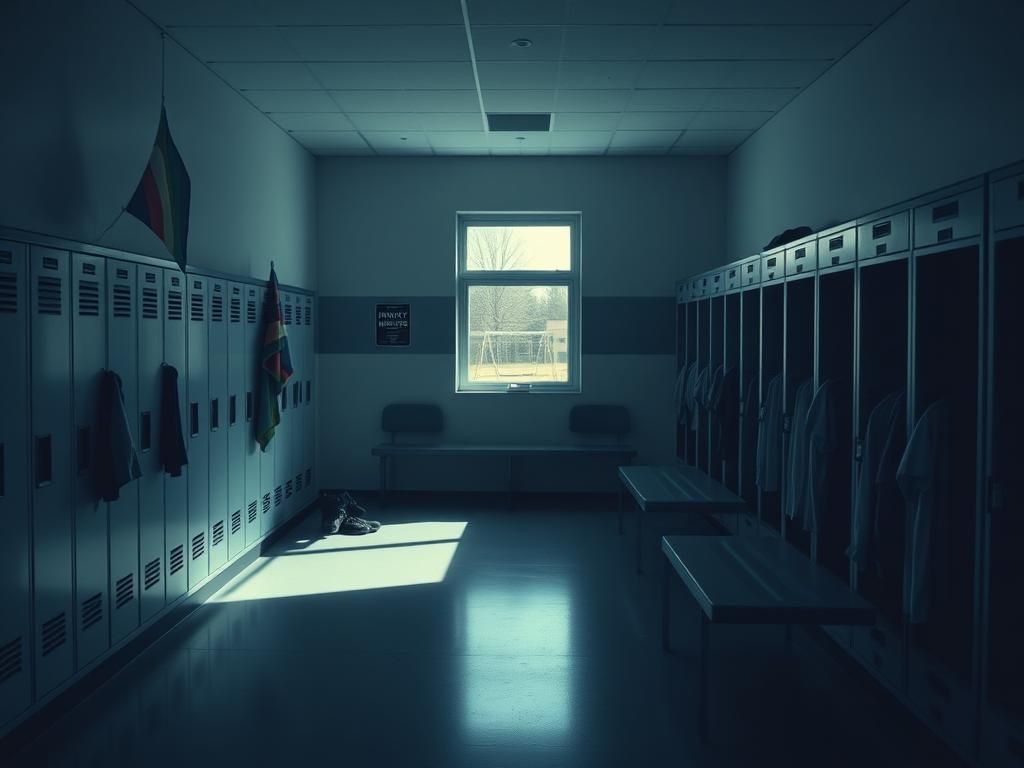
(796, 467)
(923, 478)
(875, 435)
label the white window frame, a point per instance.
(571, 279)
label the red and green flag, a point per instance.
(275, 364)
(161, 201)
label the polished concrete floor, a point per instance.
(463, 634)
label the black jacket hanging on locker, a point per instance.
(116, 463)
(172, 442)
(729, 414)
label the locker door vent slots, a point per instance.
(88, 298)
(150, 307)
(250, 312)
(197, 306)
(252, 511)
(236, 309)
(10, 660)
(92, 610)
(217, 308)
(218, 533)
(152, 574)
(8, 292)
(236, 521)
(54, 634)
(124, 591)
(266, 503)
(49, 295)
(298, 482)
(174, 305)
(287, 314)
(198, 545)
(309, 315)
(277, 496)
(309, 476)
(122, 300)
(177, 561)
(288, 489)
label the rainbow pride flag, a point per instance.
(161, 201)
(275, 365)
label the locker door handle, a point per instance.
(193, 427)
(214, 414)
(248, 406)
(145, 431)
(44, 461)
(84, 449)
(232, 410)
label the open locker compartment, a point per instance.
(835, 342)
(750, 364)
(692, 358)
(681, 363)
(715, 371)
(882, 371)
(798, 367)
(729, 410)
(699, 422)
(773, 304)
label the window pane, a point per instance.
(518, 248)
(518, 334)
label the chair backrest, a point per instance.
(599, 420)
(411, 417)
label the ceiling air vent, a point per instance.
(519, 122)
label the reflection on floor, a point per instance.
(466, 636)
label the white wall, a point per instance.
(387, 229)
(80, 96)
(933, 96)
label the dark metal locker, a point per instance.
(15, 576)
(53, 549)
(250, 381)
(236, 420)
(309, 403)
(123, 359)
(271, 493)
(218, 420)
(89, 333)
(151, 484)
(176, 489)
(198, 432)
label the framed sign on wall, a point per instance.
(393, 325)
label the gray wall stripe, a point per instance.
(612, 325)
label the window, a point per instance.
(518, 289)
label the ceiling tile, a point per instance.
(730, 74)
(358, 12)
(701, 151)
(648, 139)
(203, 12)
(595, 140)
(730, 120)
(407, 101)
(515, 12)
(443, 140)
(756, 42)
(527, 75)
(427, 75)
(530, 140)
(586, 121)
(347, 44)
(234, 43)
(591, 101)
(494, 43)
(709, 99)
(599, 43)
(780, 12)
(385, 121)
(266, 76)
(598, 74)
(626, 150)
(654, 121)
(349, 152)
(329, 139)
(669, 99)
(316, 121)
(292, 101)
(694, 138)
(451, 121)
(405, 141)
(616, 11)
(519, 101)
(764, 99)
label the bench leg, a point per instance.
(702, 693)
(666, 608)
(383, 479)
(621, 509)
(639, 539)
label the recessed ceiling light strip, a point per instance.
(472, 61)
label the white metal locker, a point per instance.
(236, 421)
(50, 331)
(15, 577)
(89, 334)
(305, 375)
(272, 494)
(123, 359)
(176, 538)
(308, 403)
(253, 495)
(151, 484)
(218, 400)
(296, 427)
(283, 456)
(197, 434)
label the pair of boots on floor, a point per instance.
(340, 513)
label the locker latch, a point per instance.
(858, 449)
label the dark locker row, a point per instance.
(79, 576)
(860, 389)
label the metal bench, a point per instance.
(753, 580)
(663, 489)
(421, 419)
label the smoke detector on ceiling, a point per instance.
(521, 42)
